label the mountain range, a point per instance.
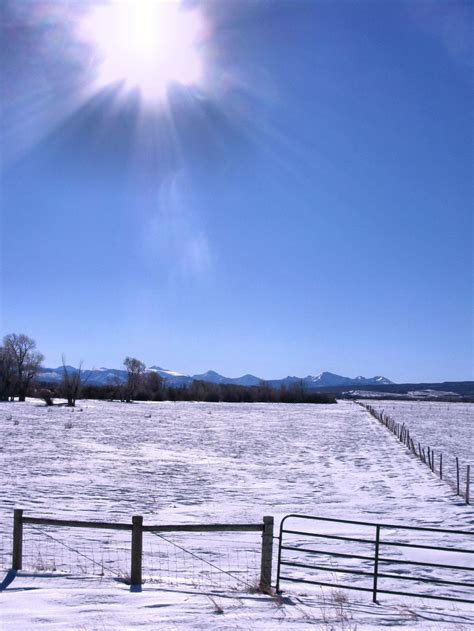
(107, 376)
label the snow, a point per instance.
(165, 372)
(82, 604)
(412, 394)
(448, 428)
(203, 463)
(331, 379)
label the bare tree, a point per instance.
(7, 374)
(72, 382)
(153, 386)
(118, 389)
(26, 361)
(135, 369)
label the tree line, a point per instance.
(19, 365)
(152, 387)
(20, 376)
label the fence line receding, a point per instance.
(426, 454)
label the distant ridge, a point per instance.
(329, 379)
(108, 376)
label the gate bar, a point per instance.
(376, 563)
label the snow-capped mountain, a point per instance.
(330, 380)
(172, 377)
(110, 376)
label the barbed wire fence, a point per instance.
(450, 470)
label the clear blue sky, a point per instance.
(308, 208)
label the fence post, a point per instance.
(457, 475)
(17, 553)
(376, 563)
(267, 554)
(468, 482)
(137, 549)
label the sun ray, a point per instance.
(146, 45)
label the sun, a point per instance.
(145, 44)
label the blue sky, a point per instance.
(308, 208)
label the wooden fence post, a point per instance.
(17, 553)
(468, 482)
(137, 550)
(267, 554)
(457, 475)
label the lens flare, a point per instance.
(146, 44)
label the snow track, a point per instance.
(197, 463)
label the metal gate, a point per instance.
(375, 557)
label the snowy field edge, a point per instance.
(201, 463)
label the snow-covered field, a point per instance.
(177, 463)
(448, 428)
